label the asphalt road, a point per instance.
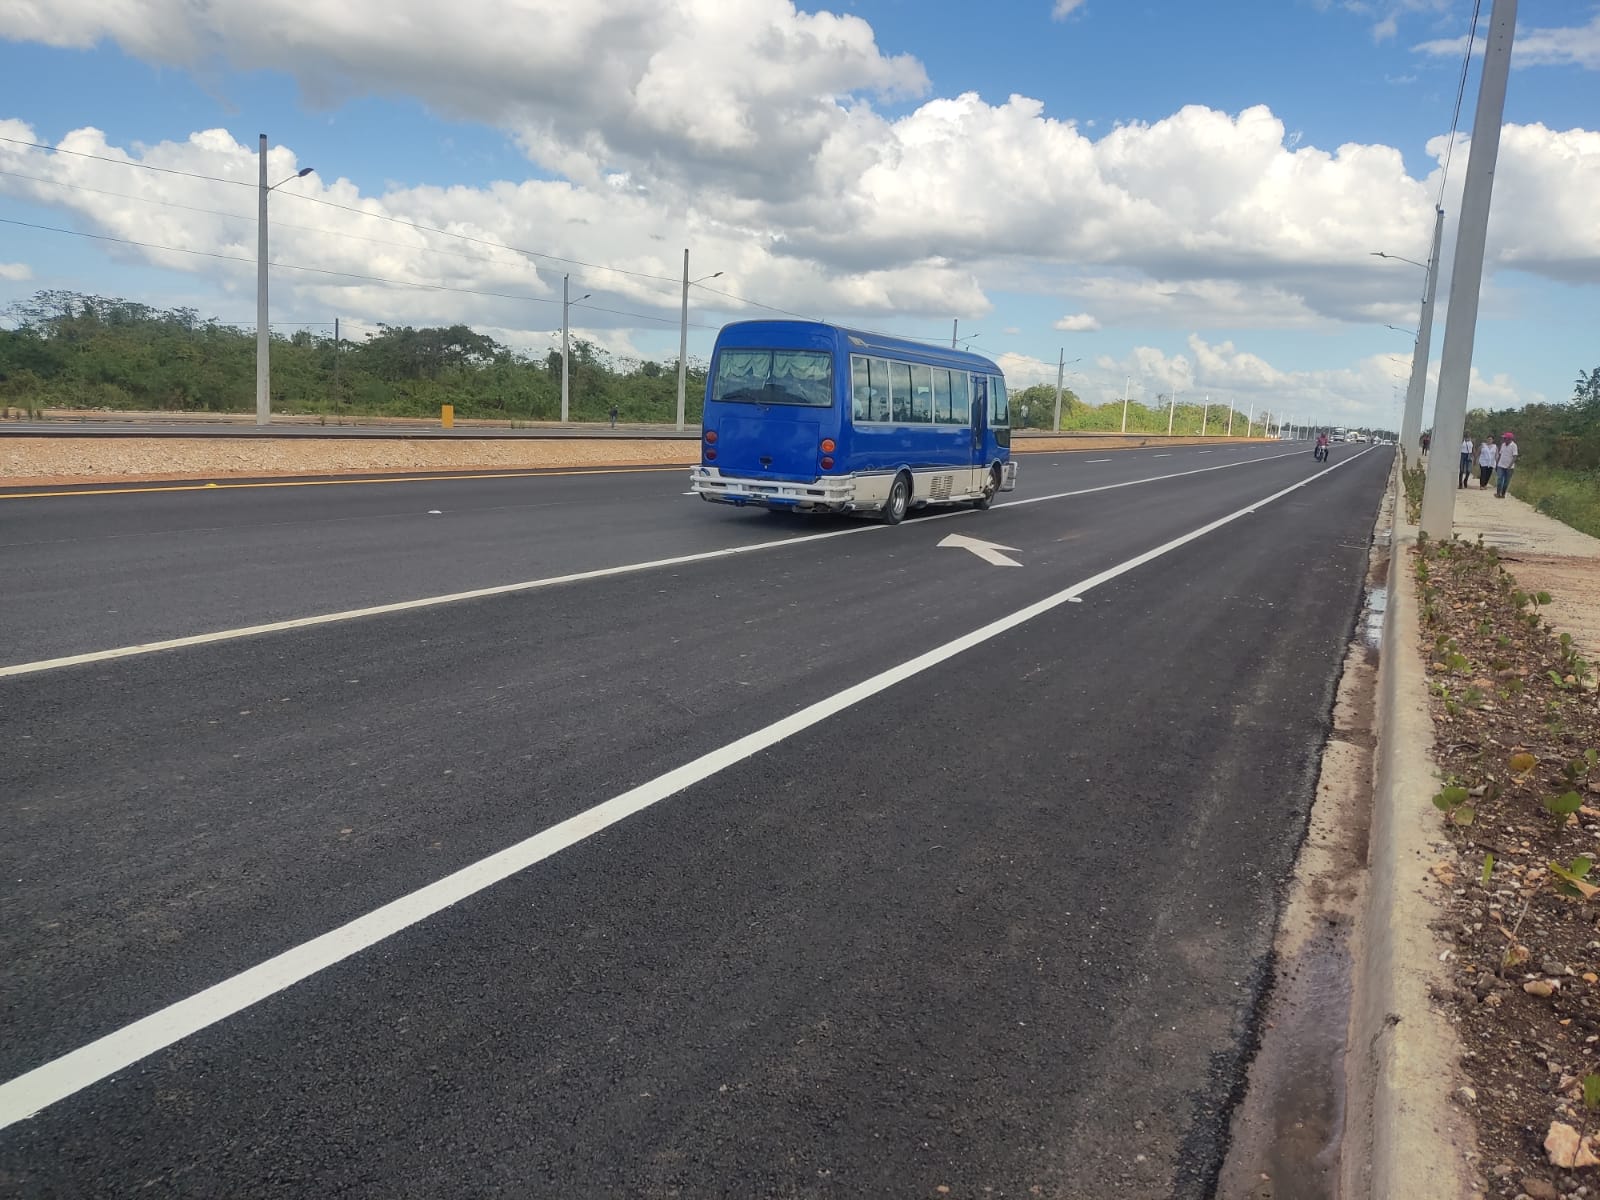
(1002, 924)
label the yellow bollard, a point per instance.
(447, 416)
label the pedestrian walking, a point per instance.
(1466, 462)
(1427, 440)
(613, 416)
(1486, 459)
(1506, 462)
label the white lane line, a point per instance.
(1202, 452)
(30, 1093)
(529, 585)
(1163, 456)
(1097, 460)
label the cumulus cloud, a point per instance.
(1065, 8)
(15, 272)
(1555, 46)
(1078, 323)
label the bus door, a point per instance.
(977, 477)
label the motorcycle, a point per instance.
(1320, 453)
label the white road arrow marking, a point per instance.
(988, 551)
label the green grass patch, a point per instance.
(1572, 497)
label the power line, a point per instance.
(128, 162)
(377, 216)
(1461, 88)
(287, 266)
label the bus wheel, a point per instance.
(989, 493)
(894, 508)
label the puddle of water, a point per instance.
(1372, 617)
(1289, 1148)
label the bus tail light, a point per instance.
(827, 462)
(711, 455)
(827, 445)
(711, 437)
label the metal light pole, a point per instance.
(683, 336)
(566, 319)
(1127, 381)
(263, 339)
(1230, 418)
(1172, 409)
(1061, 370)
(1466, 275)
(1251, 423)
(1205, 413)
(954, 325)
(1411, 421)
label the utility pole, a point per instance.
(683, 342)
(1411, 422)
(954, 325)
(1466, 276)
(1230, 417)
(1251, 423)
(336, 360)
(1205, 413)
(565, 291)
(1061, 368)
(1172, 409)
(1127, 381)
(263, 341)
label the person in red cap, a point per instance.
(1505, 462)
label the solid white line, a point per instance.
(1097, 460)
(529, 585)
(1163, 456)
(43, 1086)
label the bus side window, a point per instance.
(999, 407)
(860, 388)
(980, 397)
(941, 397)
(922, 394)
(900, 391)
(960, 398)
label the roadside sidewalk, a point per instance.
(1544, 555)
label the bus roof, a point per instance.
(809, 334)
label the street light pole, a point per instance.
(1205, 413)
(1061, 369)
(1127, 381)
(566, 320)
(1230, 418)
(1466, 276)
(263, 339)
(1172, 409)
(683, 336)
(1251, 423)
(954, 325)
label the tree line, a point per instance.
(69, 350)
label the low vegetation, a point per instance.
(75, 351)
(1517, 738)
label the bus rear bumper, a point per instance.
(830, 493)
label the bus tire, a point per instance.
(899, 501)
(990, 492)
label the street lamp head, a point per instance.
(303, 172)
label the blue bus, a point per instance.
(806, 417)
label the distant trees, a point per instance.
(75, 351)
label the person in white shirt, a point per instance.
(1506, 461)
(1486, 459)
(1466, 462)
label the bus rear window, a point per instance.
(803, 377)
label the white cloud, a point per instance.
(1078, 323)
(15, 272)
(1570, 46)
(1065, 8)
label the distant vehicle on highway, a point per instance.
(807, 417)
(1339, 435)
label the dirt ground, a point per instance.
(33, 461)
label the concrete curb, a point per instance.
(1404, 1136)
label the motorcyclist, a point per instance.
(1321, 452)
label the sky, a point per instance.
(1166, 195)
